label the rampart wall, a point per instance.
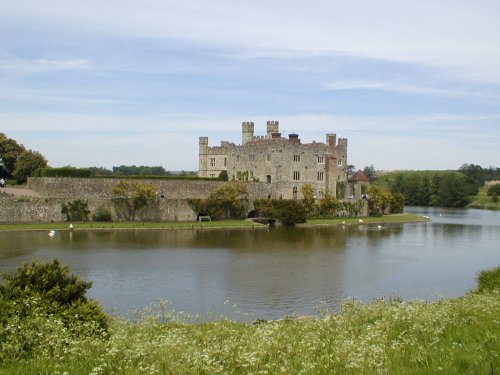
(97, 192)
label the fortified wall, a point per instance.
(97, 192)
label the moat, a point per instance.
(276, 272)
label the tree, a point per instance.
(131, 197)
(76, 210)
(328, 205)
(370, 172)
(10, 151)
(228, 199)
(28, 164)
(350, 169)
(475, 173)
(309, 198)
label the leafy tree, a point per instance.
(379, 201)
(328, 205)
(28, 164)
(397, 203)
(494, 197)
(131, 197)
(370, 172)
(228, 200)
(350, 169)
(76, 210)
(309, 199)
(10, 151)
(453, 191)
(475, 173)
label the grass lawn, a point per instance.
(224, 224)
(482, 201)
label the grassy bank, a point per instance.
(395, 218)
(483, 201)
(455, 336)
(399, 218)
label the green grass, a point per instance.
(395, 218)
(483, 201)
(134, 225)
(454, 336)
(398, 218)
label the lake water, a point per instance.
(261, 273)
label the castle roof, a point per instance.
(359, 176)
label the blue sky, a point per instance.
(412, 85)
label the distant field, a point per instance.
(483, 201)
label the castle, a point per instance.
(285, 164)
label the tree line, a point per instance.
(439, 188)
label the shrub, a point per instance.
(489, 280)
(494, 197)
(102, 214)
(62, 293)
(76, 210)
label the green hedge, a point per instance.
(65, 172)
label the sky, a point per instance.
(411, 84)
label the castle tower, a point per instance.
(203, 155)
(272, 127)
(246, 132)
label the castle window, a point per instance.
(212, 175)
(268, 157)
(321, 160)
(296, 176)
(296, 157)
(320, 194)
(225, 162)
(268, 178)
(237, 157)
(251, 175)
(321, 176)
(212, 162)
(251, 157)
(339, 162)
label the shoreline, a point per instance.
(209, 225)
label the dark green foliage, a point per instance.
(102, 214)
(370, 172)
(288, 212)
(494, 197)
(100, 171)
(223, 176)
(431, 188)
(76, 210)
(28, 164)
(62, 293)
(494, 189)
(475, 173)
(10, 151)
(65, 172)
(489, 280)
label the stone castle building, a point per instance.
(286, 164)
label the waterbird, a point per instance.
(379, 226)
(51, 233)
(360, 220)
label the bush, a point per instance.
(494, 197)
(289, 212)
(494, 189)
(62, 294)
(76, 210)
(102, 214)
(489, 280)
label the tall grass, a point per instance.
(455, 336)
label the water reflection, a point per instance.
(271, 273)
